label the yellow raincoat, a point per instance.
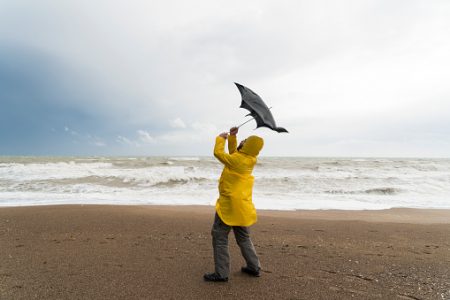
(235, 206)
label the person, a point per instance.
(234, 207)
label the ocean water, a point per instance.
(280, 183)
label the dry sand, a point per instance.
(157, 252)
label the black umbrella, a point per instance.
(258, 109)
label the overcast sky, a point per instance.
(346, 78)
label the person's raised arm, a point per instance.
(219, 150)
(232, 140)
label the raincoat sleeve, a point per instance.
(232, 144)
(219, 152)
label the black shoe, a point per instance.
(250, 272)
(214, 277)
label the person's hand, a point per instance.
(224, 135)
(234, 130)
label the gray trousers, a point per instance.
(219, 233)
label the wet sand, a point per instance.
(161, 252)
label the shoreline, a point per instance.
(161, 252)
(390, 215)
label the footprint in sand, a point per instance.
(403, 296)
(329, 271)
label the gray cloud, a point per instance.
(338, 74)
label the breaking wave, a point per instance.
(280, 183)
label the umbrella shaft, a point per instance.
(246, 122)
(249, 120)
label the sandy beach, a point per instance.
(162, 252)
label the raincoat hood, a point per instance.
(252, 145)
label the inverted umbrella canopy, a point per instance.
(258, 109)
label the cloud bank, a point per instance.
(347, 78)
